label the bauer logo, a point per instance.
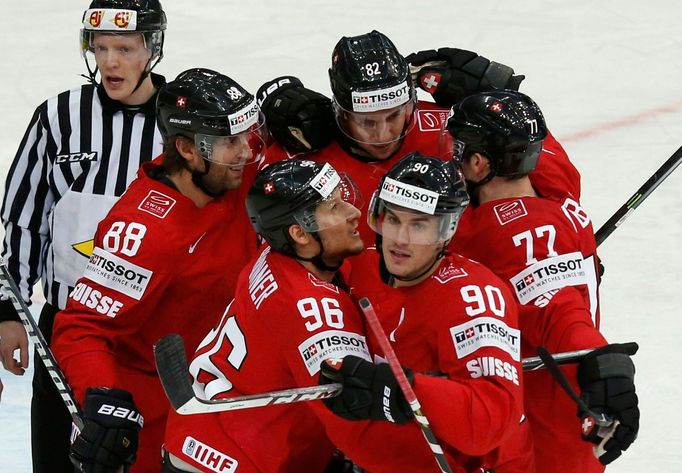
(510, 211)
(406, 195)
(549, 274)
(325, 181)
(485, 332)
(331, 344)
(208, 457)
(243, 119)
(381, 99)
(117, 274)
(157, 204)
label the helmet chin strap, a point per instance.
(198, 179)
(317, 260)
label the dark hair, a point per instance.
(172, 161)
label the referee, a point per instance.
(81, 150)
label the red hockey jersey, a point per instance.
(160, 265)
(545, 250)
(460, 322)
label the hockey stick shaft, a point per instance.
(638, 197)
(171, 364)
(41, 345)
(404, 384)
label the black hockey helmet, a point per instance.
(421, 184)
(288, 193)
(121, 17)
(204, 105)
(506, 126)
(365, 64)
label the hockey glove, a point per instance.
(370, 392)
(299, 119)
(109, 438)
(606, 379)
(450, 74)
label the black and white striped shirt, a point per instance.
(79, 153)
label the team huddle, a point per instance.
(254, 224)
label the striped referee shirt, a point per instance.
(78, 155)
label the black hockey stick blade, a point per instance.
(638, 197)
(171, 364)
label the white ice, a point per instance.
(608, 76)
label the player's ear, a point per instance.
(480, 165)
(298, 235)
(187, 149)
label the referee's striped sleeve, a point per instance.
(27, 200)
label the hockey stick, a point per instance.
(638, 197)
(404, 384)
(589, 419)
(41, 345)
(171, 364)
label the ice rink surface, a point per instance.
(608, 76)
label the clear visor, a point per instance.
(152, 41)
(236, 151)
(381, 127)
(340, 206)
(407, 226)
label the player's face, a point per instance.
(121, 59)
(228, 157)
(379, 133)
(339, 221)
(407, 242)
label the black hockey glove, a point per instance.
(450, 74)
(370, 392)
(606, 379)
(299, 119)
(109, 438)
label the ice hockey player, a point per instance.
(473, 338)
(374, 117)
(165, 259)
(544, 247)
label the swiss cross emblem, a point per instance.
(181, 102)
(312, 350)
(430, 82)
(529, 279)
(269, 188)
(469, 332)
(496, 107)
(364, 100)
(587, 425)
